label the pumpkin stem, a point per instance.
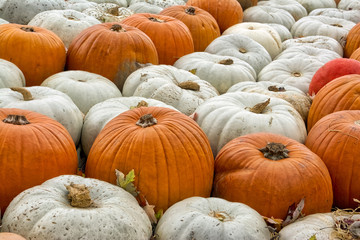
(16, 119)
(117, 28)
(156, 20)
(275, 151)
(28, 29)
(146, 120)
(142, 103)
(242, 50)
(260, 107)
(276, 89)
(79, 195)
(190, 10)
(221, 216)
(26, 93)
(189, 85)
(296, 74)
(226, 61)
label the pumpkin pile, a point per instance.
(179, 119)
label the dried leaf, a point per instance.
(274, 224)
(294, 212)
(126, 182)
(355, 229)
(149, 209)
(357, 201)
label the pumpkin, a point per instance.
(161, 3)
(84, 88)
(119, 47)
(144, 7)
(310, 5)
(211, 218)
(349, 5)
(226, 13)
(352, 40)
(292, 6)
(296, 72)
(321, 42)
(64, 23)
(10, 236)
(47, 101)
(300, 101)
(339, 94)
(283, 32)
(350, 15)
(73, 207)
(262, 33)
(37, 51)
(242, 47)
(202, 25)
(333, 69)
(172, 37)
(356, 54)
(341, 130)
(79, 5)
(100, 114)
(176, 87)
(108, 12)
(247, 3)
(234, 114)
(269, 14)
(261, 169)
(34, 148)
(10, 75)
(221, 71)
(170, 154)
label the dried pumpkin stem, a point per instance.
(146, 120)
(142, 103)
(79, 195)
(26, 93)
(260, 107)
(221, 216)
(16, 119)
(276, 89)
(28, 29)
(117, 28)
(189, 85)
(190, 10)
(275, 151)
(242, 50)
(156, 20)
(296, 74)
(226, 61)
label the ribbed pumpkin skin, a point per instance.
(38, 53)
(356, 54)
(335, 139)
(32, 153)
(352, 40)
(226, 13)
(172, 159)
(243, 174)
(203, 27)
(341, 93)
(171, 37)
(112, 54)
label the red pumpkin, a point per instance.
(270, 172)
(226, 13)
(112, 50)
(333, 69)
(172, 38)
(335, 139)
(169, 152)
(34, 148)
(38, 52)
(203, 27)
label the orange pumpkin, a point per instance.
(170, 154)
(226, 13)
(10, 236)
(335, 139)
(203, 27)
(270, 172)
(247, 3)
(38, 52)
(356, 54)
(34, 148)
(172, 38)
(352, 40)
(112, 50)
(341, 93)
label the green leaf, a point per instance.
(159, 214)
(313, 237)
(126, 182)
(193, 71)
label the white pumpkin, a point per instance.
(322, 226)
(211, 218)
(84, 88)
(109, 12)
(311, 4)
(268, 14)
(66, 24)
(45, 212)
(349, 4)
(3, 21)
(160, 3)
(120, 3)
(79, 5)
(144, 7)
(336, 28)
(283, 32)
(231, 115)
(308, 51)
(173, 86)
(10, 75)
(47, 101)
(300, 101)
(22, 11)
(295, 72)
(241, 47)
(100, 114)
(350, 15)
(321, 42)
(261, 33)
(221, 71)
(292, 6)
